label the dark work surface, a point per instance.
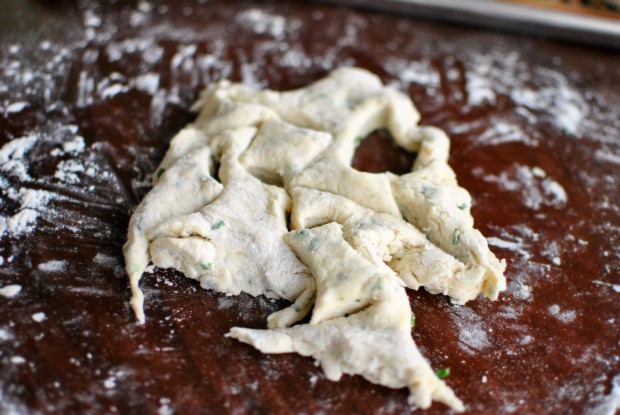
(94, 91)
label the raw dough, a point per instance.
(358, 238)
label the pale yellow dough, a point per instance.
(354, 242)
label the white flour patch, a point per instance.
(39, 317)
(18, 360)
(10, 291)
(563, 316)
(105, 260)
(502, 132)
(614, 287)
(471, 328)
(416, 72)
(607, 156)
(53, 266)
(6, 335)
(165, 408)
(518, 246)
(608, 404)
(16, 107)
(22, 222)
(261, 22)
(532, 183)
(13, 157)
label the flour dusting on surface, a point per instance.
(61, 177)
(10, 291)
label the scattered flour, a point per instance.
(608, 404)
(10, 291)
(533, 184)
(502, 132)
(471, 328)
(109, 383)
(614, 287)
(18, 360)
(489, 76)
(53, 266)
(16, 107)
(165, 408)
(39, 317)
(564, 316)
(6, 335)
(105, 260)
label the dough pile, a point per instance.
(354, 242)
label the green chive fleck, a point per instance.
(412, 319)
(161, 171)
(379, 283)
(456, 236)
(359, 139)
(302, 232)
(428, 191)
(217, 225)
(206, 266)
(314, 244)
(341, 276)
(463, 206)
(442, 373)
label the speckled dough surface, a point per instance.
(91, 94)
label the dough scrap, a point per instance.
(219, 213)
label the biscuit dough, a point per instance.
(219, 213)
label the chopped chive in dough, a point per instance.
(456, 236)
(462, 206)
(161, 171)
(217, 225)
(359, 139)
(428, 191)
(302, 232)
(427, 234)
(379, 283)
(442, 373)
(205, 265)
(341, 276)
(314, 244)
(412, 319)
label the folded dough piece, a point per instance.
(329, 174)
(280, 149)
(190, 184)
(360, 323)
(227, 116)
(431, 199)
(380, 237)
(242, 232)
(348, 103)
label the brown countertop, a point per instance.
(90, 95)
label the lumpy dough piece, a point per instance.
(431, 199)
(374, 341)
(384, 238)
(329, 174)
(209, 125)
(245, 226)
(324, 253)
(281, 149)
(348, 103)
(189, 183)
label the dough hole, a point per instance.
(378, 153)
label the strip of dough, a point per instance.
(190, 184)
(383, 238)
(374, 341)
